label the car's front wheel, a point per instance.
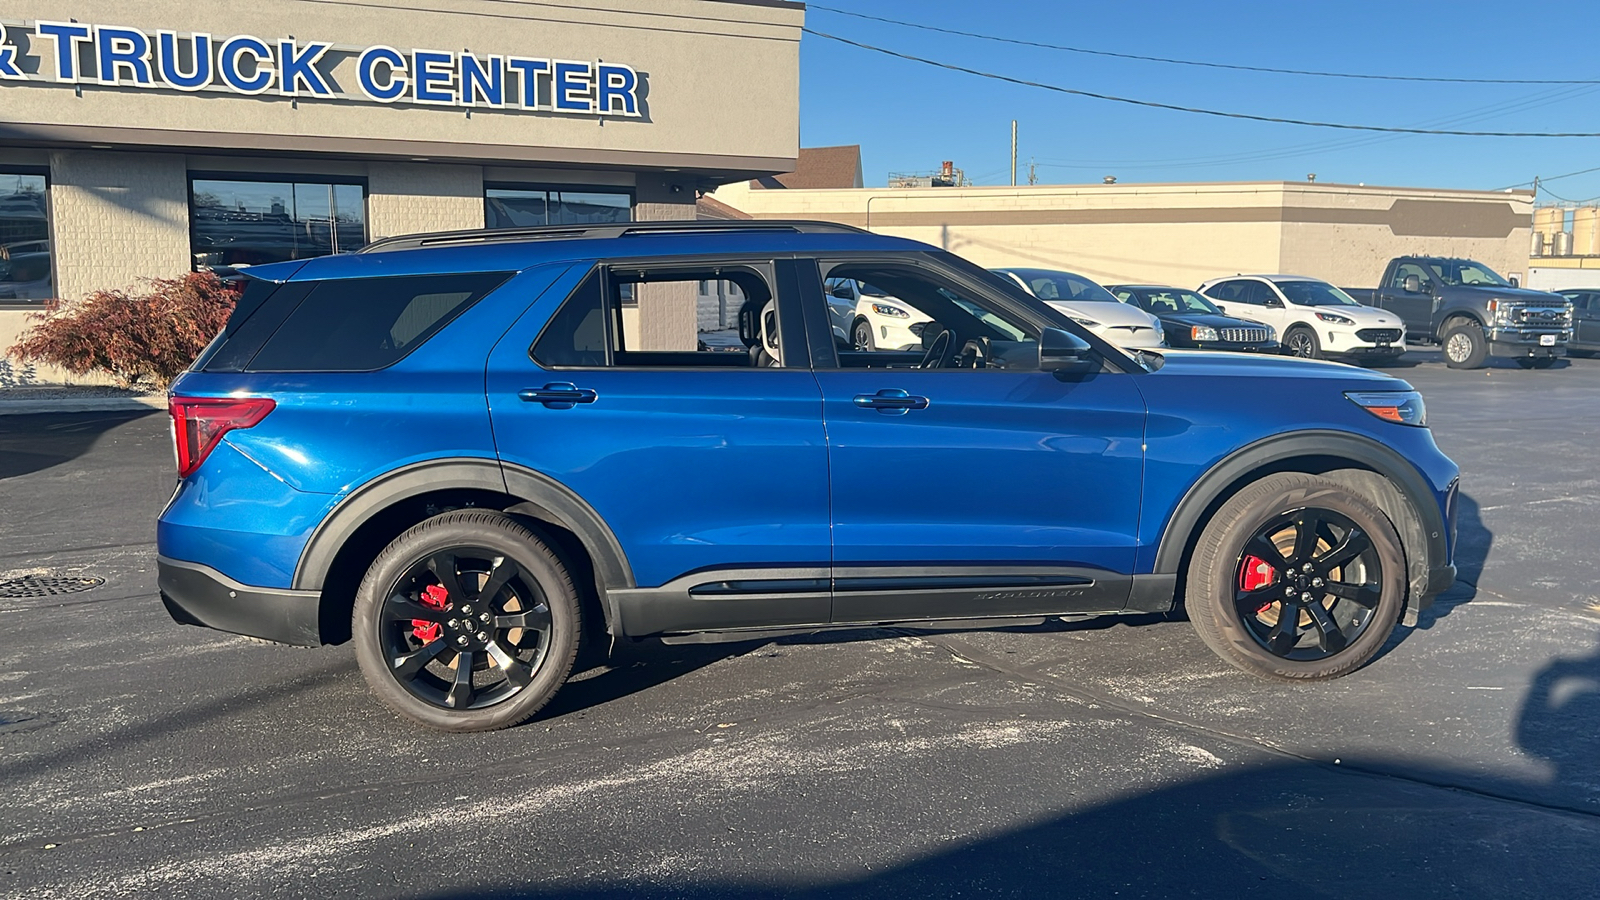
(1302, 342)
(861, 336)
(466, 622)
(1297, 577)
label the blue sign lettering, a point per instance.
(618, 90)
(391, 85)
(171, 66)
(482, 81)
(529, 70)
(573, 87)
(430, 68)
(229, 66)
(67, 35)
(8, 58)
(297, 69)
(123, 49)
(117, 55)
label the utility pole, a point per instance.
(1013, 152)
(1033, 172)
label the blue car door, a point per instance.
(963, 480)
(705, 457)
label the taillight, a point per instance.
(198, 423)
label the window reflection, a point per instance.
(516, 207)
(246, 223)
(24, 239)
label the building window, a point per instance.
(517, 206)
(24, 239)
(237, 223)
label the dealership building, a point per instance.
(149, 138)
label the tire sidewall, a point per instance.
(1259, 507)
(488, 531)
(1479, 346)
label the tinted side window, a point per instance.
(576, 334)
(1229, 291)
(363, 324)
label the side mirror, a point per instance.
(1273, 303)
(842, 292)
(1064, 353)
(1412, 285)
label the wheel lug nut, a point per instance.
(1316, 582)
(467, 610)
(1306, 567)
(461, 641)
(453, 623)
(1306, 597)
(483, 636)
(483, 617)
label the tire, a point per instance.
(1238, 608)
(1302, 342)
(1464, 345)
(1536, 362)
(419, 615)
(861, 336)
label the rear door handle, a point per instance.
(893, 402)
(559, 395)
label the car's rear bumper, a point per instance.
(196, 594)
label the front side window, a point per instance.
(902, 313)
(1466, 272)
(1237, 292)
(234, 224)
(25, 270)
(517, 206)
(1315, 293)
(725, 316)
(1405, 269)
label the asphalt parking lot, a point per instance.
(1111, 758)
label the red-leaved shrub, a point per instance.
(144, 336)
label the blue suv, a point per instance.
(474, 453)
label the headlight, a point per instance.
(893, 312)
(1087, 323)
(1204, 333)
(1504, 311)
(1335, 318)
(1402, 407)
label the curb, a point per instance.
(81, 404)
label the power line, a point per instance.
(1151, 104)
(1194, 62)
(1542, 181)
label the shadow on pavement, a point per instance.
(32, 443)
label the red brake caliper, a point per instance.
(433, 597)
(1256, 574)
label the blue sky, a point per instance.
(908, 116)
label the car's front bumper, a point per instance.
(196, 594)
(1236, 347)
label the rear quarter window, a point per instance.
(349, 325)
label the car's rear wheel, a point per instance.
(861, 336)
(1302, 342)
(466, 622)
(1297, 577)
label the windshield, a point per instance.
(1465, 272)
(1049, 285)
(1315, 293)
(868, 290)
(1172, 301)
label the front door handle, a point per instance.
(559, 395)
(893, 402)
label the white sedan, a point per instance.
(1091, 306)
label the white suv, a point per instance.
(1313, 318)
(865, 318)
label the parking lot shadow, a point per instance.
(32, 443)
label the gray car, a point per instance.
(1585, 321)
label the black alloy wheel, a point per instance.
(1302, 342)
(1297, 576)
(467, 622)
(1308, 584)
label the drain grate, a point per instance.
(32, 586)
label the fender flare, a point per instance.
(533, 493)
(1428, 527)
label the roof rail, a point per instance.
(609, 230)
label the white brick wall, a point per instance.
(117, 218)
(407, 198)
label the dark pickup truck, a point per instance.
(1472, 312)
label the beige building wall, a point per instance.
(1179, 234)
(406, 198)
